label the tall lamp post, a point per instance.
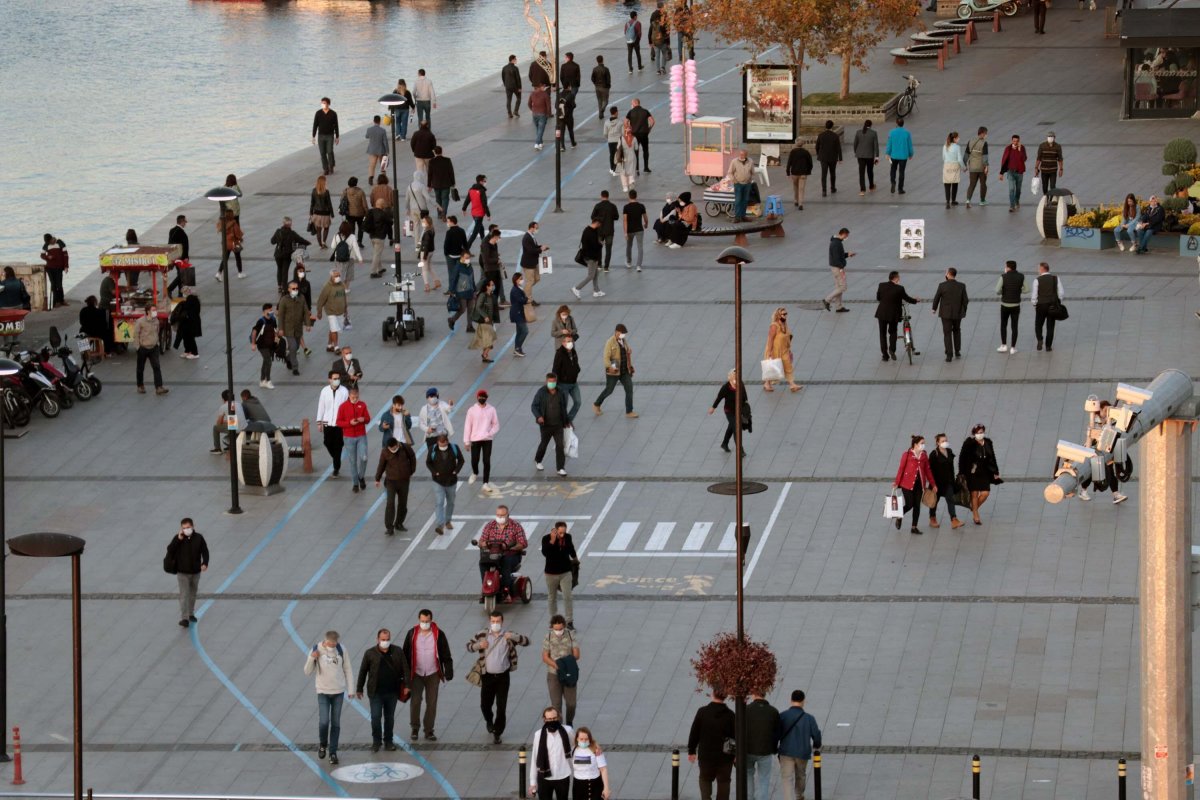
(7, 367)
(61, 545)
(395, 104)
(221, 195)
(560, 121)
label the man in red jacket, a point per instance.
(54, 253)
(427, 653)
(477, 203)
(1012, 169)
(352, 418)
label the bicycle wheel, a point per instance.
(904, 105)
(712, 209)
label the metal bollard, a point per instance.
(18, 779)
(1120, 779)
(306, 444)
(975, 777)
(816, 775)
(522, 767)
(675, 774)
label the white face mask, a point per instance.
(569, 345)
(337, 280)
(425, 625)
(335, 383)
(433, 401)
(187, 531)
(443, 447)
(294, 292)
(300, 273)
(1050, 139)
(348, 358)
(921, 447)
(621, 336)
(979, 437)
(496, 626)
(584, 742)
(384, 644)
(559, 631)
(944, 445)
(501, 520)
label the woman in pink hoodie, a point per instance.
(481, 427)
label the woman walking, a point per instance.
(425, 254)
(418, 199)
(731, 394)
(866, 150)
(952, 168)
(187, 324)
(233, 243)
(485, 315)
(779, 346)
(346, 252)
(234, 205)
(589, 768)
(402, 115)
(562, 328)
(977, 464)
(613, 130)
(912, 476)
(627, 158)
(320, 212)
(463, 287)
(516, 312)
(481, 426)
(941, 462)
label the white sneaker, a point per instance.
(471, 479)
(242, 276)
(262, 384)
(1012, 351)
(597, 294)
(612, 173)
(639, 269)
(1002, 348)
(1119, 498)
(183, 355)
(539, 466)
(629, 266)
(487, 487)
(674, 246)
(575, 292)
(1082, 494)
(268, 385)
(218, 277)
(1120, 245)
(563, 472)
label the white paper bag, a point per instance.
(892, 507)
(772, 369)
(572, 444)
(384, 164)
(546, 266)
(1035, 185)
(408, 228)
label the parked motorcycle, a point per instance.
(80, 379)
(41, 389)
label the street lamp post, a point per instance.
(61, 545)
(395, 104)
(7, 367)
(560, 120)
(221, 195)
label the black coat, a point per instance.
(543, 398)
(441, 173)
(531, 251)
(712, 725)
(891, 297)
(189, 316)
(978, 463)
(178, 235)
(510, 76)
(444, 658)
(569, 75)
(369, 670)
(950, 300)
(799, 162)
(608, 214)
(829, 147)
(566, 365)
(941, 463)
(189, 553)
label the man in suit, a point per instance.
(1047, 293)
(950, 304)
(891, 296)
(178, 235)
(829, 154)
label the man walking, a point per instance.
(618, 366)
(602, 81)
(1049, 162)
(1010, 286)
(498, 649)
(829, 153)
(177, 235)
(640, 123)
(397, 463)
(549, 408)
(454, 244)
(899, 150)
(607, 213)
(333, 681)
(950, 305)
(540, 106)
(1047, 293)
(424, 97)
(352, 418)
(377, 148)
(286, 240)
(552, 750)
(187, 556)
(441, 180)
(891, 297)
(326, 134)
(434, 417)
(837, 265)
(330, 399)
(559, 551)
(762, 732)
(566, 367)
(977, 166)
(378, 226)
(422, 144)
(262, 339)
(592, 251)
(741, 173)
(799, 736)
(444, 461)
(531, 255)
(476, 203)
(799, 167)
(712, 725)
(510, 76)
(427, 655)
(634, 222)
(145, 334)
(382, 673)
(1039, 15)
(633, 40)
(569, 74)
(1012, 169)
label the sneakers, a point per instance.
(190, 356)
(1002, 348)
(613, 173)
(519, 353)
(1120, 245)
(1012, 351)
(563, 473)
(575, 292)
(539, 466)
(594, 294)
(639, 269)
(266, 384)
(242, 276)
(674, 246)
(471, 479)
(1082, 494)
(487, 487)
(631, 414)
(218, 277)
(1119, 498)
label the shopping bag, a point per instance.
(546, 266)
(572, 444)
(409, 228)
(962, 492)
(929, 498)
(383, 165)
(1035, 185)
(892, 507)
(772, 369)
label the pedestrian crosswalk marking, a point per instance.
(728, 542)
(625, 533)
(662, 532)
(443, 542)
(695, 539)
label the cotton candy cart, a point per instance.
(709, 146)
(132, 302)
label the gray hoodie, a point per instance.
(332, 665)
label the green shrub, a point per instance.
(1170, 189)
(1174, 204)
(1183, 180)
(1180, 151)
(1170, 169)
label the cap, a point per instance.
(431, 391)
(482, 393)
(1051, 133)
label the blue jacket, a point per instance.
(516, 309)
(802, 733)
(899, 144)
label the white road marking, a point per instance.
(625, 533)
(662, 532)
(612, 498)
(643, 554)
(728, 542)
(695, 539)
(766, 534)
(404, 556)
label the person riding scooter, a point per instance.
(505, 536)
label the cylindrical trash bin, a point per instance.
(1053, 211)
(262, 460)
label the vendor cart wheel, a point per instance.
(83, 390)
(48, 405)
(699, 180)
(164, 338)
(388, 325)
(1009, 9)
(712, 209)
(420, 327)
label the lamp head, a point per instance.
(393, 100)
(222, 194)
(735, 255)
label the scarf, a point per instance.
(543, 756)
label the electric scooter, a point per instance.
(969, 8)
(404, 324)
(522, 585)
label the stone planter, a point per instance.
(847, 116)
(1189, 245)
(1087, 238)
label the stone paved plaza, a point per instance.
(1016, 640)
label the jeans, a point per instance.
(661, 50)
(329, 724)
(1009, 316)
(792, 774)
(555, 583)
(423, 107)
(150, 354)
(188, 584)
(829, 169)
(630, 240)
(602, 104)
(333, 445)
(1014, 187)
(383, 706)
(896, 172)
(610, 383)
(719, 771)
(539, 127)
(948, 495)
(426, 686)
(1129, 229)
(451, 272)
(522, 332)
(482, 449)
(396, 510)
(476, 230)
(558, 693)
(560, 452)
(574, 401)
(325, 147)
(977, 178)
(1143, 238)
(402, 124)
(866, 174)
(593, 276)
(741, 199)
(356, 454)
(442, 198)
(758, 776)
(444, 496)
(494, 691)
(1042, 317)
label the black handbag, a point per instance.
(454, 194)
(579, 259)
(1058, 312)
(344, 207)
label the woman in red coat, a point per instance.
(913, 475)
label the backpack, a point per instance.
(265, 338)
(344, 207)
(341, 251)
(631, 31)
(975, 155)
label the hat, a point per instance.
(431, 391)
(482, 393)
(1051, 133)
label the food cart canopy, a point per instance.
(1160, 27)
(140, 257)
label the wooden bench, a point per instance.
(769, 227)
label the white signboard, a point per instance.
(912, 238)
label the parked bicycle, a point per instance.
(908, 101)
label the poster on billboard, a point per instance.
(769, 103)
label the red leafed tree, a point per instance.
(738, 669)
(849, 29)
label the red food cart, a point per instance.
(131, 303)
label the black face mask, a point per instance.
(483, 401)
(552, 726)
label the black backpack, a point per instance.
(341, 251)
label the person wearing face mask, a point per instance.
(531, 256)
(286, 240)
(618, 366)
(1049, 161)
(560, 654)
(566, 367)
(348, 369)
(463, 287)
(332, 396)
(352, 418)
(562, 327)
(950, 305)
(977, 465)
(300, 278)
(779, 346)
(397, 462)
(485, 312)
(562, 573)
(589, 767)
(427, 654)
(498, 657)
(434, 417)
(333, 303)
(912, 476)
(551, 756)
(395, 422)
(187, 557)
(549, 408)
(506, 536)
(516, 313)
(293, 320)
(444, 461)
(476, 203)
(731, 394)
(941, 464)
(383, 674)
(479, 429)
(262, 339)
(334, 677)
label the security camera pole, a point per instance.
(1162, 417)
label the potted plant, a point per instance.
(1179, 164)
(1092, 229)
(740, 669)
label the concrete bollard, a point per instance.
(18, 778)
(817, 774)
(975, 777)
(675, 775)
(522, 768)
(1120, 779)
